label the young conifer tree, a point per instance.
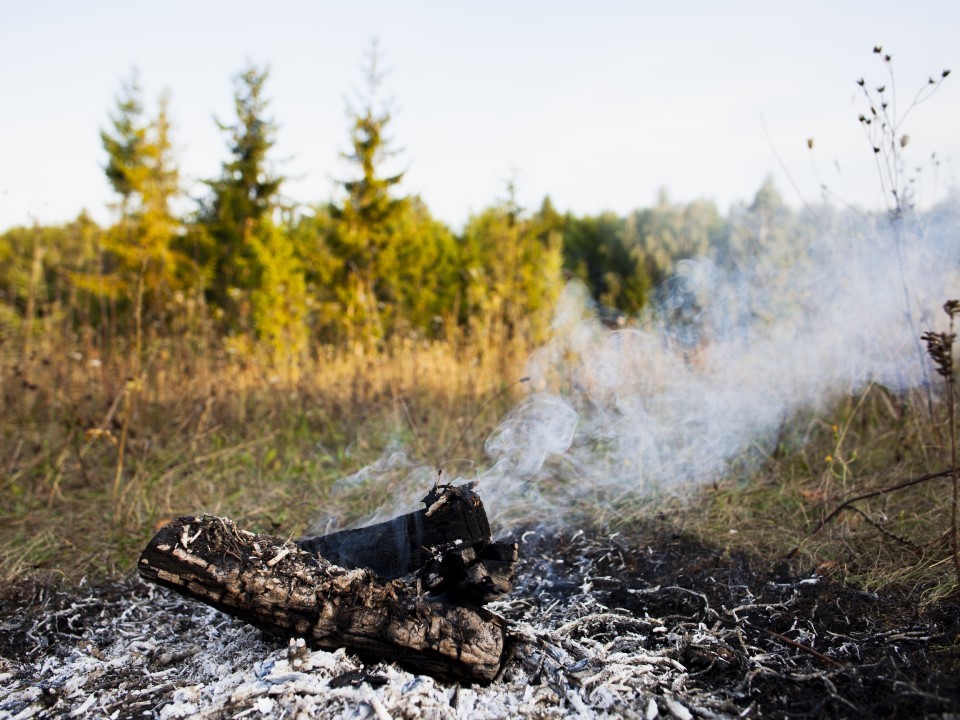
(366, 219)
(125, 145)
(512, 264)
(142, 170)
(242, 198)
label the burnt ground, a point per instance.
(730, 620)
(656, 625)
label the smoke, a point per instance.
(712, 375)
(733, 349)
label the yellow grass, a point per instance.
(94, 452)
(97, 449)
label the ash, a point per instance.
(602, 627)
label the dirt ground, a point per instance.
(654, 625)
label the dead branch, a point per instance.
(865, 496)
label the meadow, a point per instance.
(99, 450)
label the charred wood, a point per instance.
(293, 590)
(397, 547)
(446, 545)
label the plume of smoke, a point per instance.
(711, 374)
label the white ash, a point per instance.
(600, 629)
(146, 652)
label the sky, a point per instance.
(599, 105)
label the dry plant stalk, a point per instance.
(940, 349)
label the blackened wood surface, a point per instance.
(403, 545)
(472, 574)
(287, 591)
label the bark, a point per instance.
(287, 590)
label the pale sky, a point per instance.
(597, 104)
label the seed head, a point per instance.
(940, 350)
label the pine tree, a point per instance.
(596, 250)
(125, 147)
(367, 219)
(669, 232)
(421, 268)
(512, 265)
(142, 170)
(279, 300)
(244, 196)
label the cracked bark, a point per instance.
(292, 590)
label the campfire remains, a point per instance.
(651, 624)
(410, 589)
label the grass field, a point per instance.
(96, 450)
(95, 453)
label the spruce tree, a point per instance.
(367, 218)
(126, 144)
(143, 172)
(596, 250)
(512, 267)
(244, 196)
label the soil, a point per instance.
(651, 625)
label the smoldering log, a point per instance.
(397, 547)
(286, 590)
(446, 544)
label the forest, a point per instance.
(359, 271)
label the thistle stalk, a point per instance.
(940, 349)
(951, 308)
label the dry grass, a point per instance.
(203, 428)
(94, 452)
(869, 442)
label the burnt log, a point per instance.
(446, 545)
(397, 547)
(471, 575)
(430, 620)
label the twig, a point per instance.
(918, 551)
(782, 638)
(738, 623)
(864, 496)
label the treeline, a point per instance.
(369, 266)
